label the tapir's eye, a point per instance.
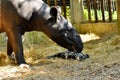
(59, 18)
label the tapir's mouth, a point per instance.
(73, 47)
(77, 48)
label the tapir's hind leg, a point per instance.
(16, 45)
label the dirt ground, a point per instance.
(103, 64)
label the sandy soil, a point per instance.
(103, 64)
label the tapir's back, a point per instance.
(13, 14)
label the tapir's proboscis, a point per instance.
(20, 16)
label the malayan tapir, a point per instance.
(20, 16)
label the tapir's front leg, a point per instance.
(15, 40)
(10, 51)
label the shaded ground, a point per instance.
(103, 64)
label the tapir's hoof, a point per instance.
(24, 66)
(12, 57)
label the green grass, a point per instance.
(2, 39)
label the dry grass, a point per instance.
(106, 50)
(104, 58)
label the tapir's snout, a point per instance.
(69, 39)
(74, 41)
(77, 45)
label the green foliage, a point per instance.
(114, 15)
(68, 15)
(2, 39)
(68, 12)
(85, 14)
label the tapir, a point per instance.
(20, 16)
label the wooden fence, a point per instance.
(97, 10)
(101, 6)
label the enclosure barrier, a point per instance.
(100, 6)
(97, 10)
(99, 16)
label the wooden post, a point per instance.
(48, 2)
(89, 11)
(76, 13)
(95, 11)
(55, 1)
(118, 14)
(102, 9)
(64, 7)
(109, 9)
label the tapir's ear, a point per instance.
(58, 9)
(54, 12)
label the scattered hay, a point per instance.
(3, 59)
(105, 50)
(104, 61)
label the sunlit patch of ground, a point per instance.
(103, 64)
(89, 37)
